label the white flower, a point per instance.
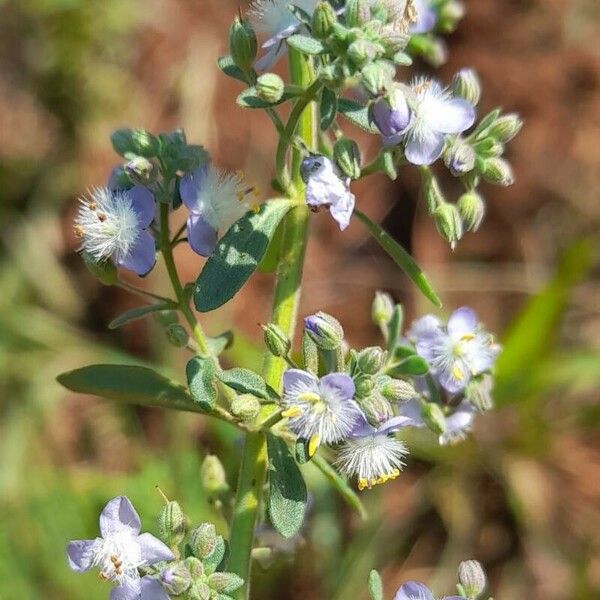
(458, 424)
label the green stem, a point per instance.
(285, 306)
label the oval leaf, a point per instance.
(305, 44)
(237, 255)
(413, 365)
(230, 69)
(245, 381)
(357, 113)
(401, 257)
(287, 490)
(131, 384)
(200, 374)
(139, 313)
(328, 108)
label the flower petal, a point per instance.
(343, 209)
(412, 410)
(362, 427)
(201, 235)
(131, 589)
(153, 550)
(80, 554)
(143, 204)
(397, 423)
(119, 515)
(152, 589)
(297, 377)
(426, 17)
(455, 116)
(141, 256)
(189, 186)
(424, 327)
(463, 321)
(273, 54)
(341, 383)
(425, 150)
(413, 590)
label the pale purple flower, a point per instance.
(215, 200)
(113, 224)
(326, 187)
(426, 17)
(372, 454)
(391, 115)
(435, 113)
(458, 424)
(320, 410)
(274, 19)
(120, 552)
(458, 352)
(414, 590)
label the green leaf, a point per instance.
(200, 374)
(305, 44)
(131, 384)
(401, 257)
(215, 558)
(271, 258)
(230, 69)
(237, 255)
(357, 113)
(287, 490)
(220, 343)
(394, 327)
(412, 365)
(249, 98)
(139, 313)
(329, 104)
(402, 352)
(375, 585)
(245, 381)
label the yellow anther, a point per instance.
(309, 397)
(313, 444)
(467, 337)
(256, 207)
(290, 413)
(240, 174)
(458, 373)
(362, 484)
(256, 193)
(78, 231)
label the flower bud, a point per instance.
(434, 51)
(225, 583)
(460, 158)
(323, 20)
(177, 335)
(382, 308)
(364, 384)
(203, 540)
(141, 171)
(466, 84)
(332, 76)
(398, 390)
(506, 127)
(278, 343)
(498, 171)
(346, 154)
(362, 52)
(378, 77)
(433, 194)
(171, 523)
(195, 567)
(324, 330)
(371, 360)
(144, 143)
(357, 12)
(122, 141)
(176, 579)
(243, 46)
(199, 591)
(212, 475)
(479, 392)
(270, 87)
(448, 223)
(104, 271)
(394, 39)
(246, 407)
(450, 14)
(471, 208)
(376, 408)
(472, 578)
(434, 418)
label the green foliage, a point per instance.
(357, 114)
(375, 585)
(306, 44)
(412, 365)
(201, 374)
(287, 490)
(139, 313)
(237, 255)
(245, 381)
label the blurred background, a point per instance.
(521, 495)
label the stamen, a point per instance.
(311, 397)
(313, 444)
(467, 337)
(458, 373)
(290, 413)
(101, 217)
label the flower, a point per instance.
(392, 116)
(426, 17)
(434, 114)
(413, 590)
(120, 552)
(274, 19)
(372, 454)
(458, 424)
(113, 224)
(326, 187)
(457, 352)
(216, 200)
(320, 410)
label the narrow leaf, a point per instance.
(412, 365)
(329, 109)
(230, 69)
(401, 257)
(245, 381)
(131, 384)
(287, 490)
(139, 313)
(394, 328)
(220, 343)
(200, 374)
(357, 113)
(305, 44)
(237, 255)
